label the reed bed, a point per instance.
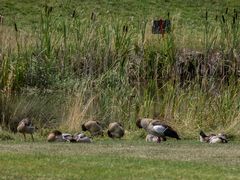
(114, 69)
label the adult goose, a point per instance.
(25, 126)
(143, 123)
(82, 138)
(156, 128)
(94, 127)
(162, 131)
(213, 138)
(151, 138)
(58, 136)
(115, 130)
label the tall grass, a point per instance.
(114, 69)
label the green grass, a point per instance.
(190, 12)
(124, 159)
(62, 71)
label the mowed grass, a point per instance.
(120, 159)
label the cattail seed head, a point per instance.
(15, 27)
(74, 14)
(226, 11)
(49, 10)
(223, 18)
(125, 28)
(93, 16)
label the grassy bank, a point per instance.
(120, 160)
(63, 63)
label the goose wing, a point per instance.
(159, 129)
(66, 136)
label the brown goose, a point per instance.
(94, 127)
(55, 136)
(213, 138)
(58, 136)
(143, 123)
(156, 128)
(25, 126)
(115, 130)
(151, 138)
(82, 138)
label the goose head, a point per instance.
(54, 135)
(84, 127)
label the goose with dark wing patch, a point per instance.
(158, 129)
(162, 131)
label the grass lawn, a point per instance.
(124, 159)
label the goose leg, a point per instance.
(158, 139)
(163, 138)
(32, 137)
(24, 136)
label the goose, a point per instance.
(55, 135)
(213, 138)
(58, 136)
(25, 126)
(94, 127)
(143, 123)
(82, 138)
(161, 131)
(156, 128)
(115, 130)
(151, 138)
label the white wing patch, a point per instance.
(215, 139)
(159, 129)
(66, 136)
